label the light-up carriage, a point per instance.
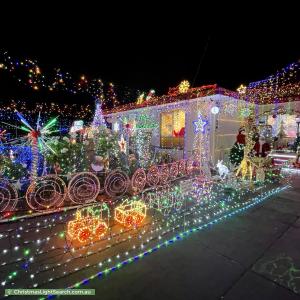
(88, 224)
(131, 214)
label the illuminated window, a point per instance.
(172, 129)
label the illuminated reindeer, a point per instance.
(247, 165)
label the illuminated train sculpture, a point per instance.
(50, 192)
(88, 224)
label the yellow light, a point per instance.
(140, 99)
(86, 226)
(242, 89)
(122, 144)
(183, 86)
(131, 213)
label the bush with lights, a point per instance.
(69, 156)
(12, 170)
(237, 151)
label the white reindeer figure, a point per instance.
(222, 169)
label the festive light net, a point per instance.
(282, 86)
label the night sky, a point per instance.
(151, 48)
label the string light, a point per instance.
(171, 199)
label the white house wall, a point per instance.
(223, 126)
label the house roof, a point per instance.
(175, 96)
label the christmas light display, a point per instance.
(116, 183)
(153, 176)
(112, 95)
(38, 140)
(83, 188)
(119, 263)
(199, 124)
(98, 117)
(215, 110)
(182, 167)
(142, 141)
(183, 86)
(122, 144)
(173, 170)
(223, 170)
(46, 193)
(165, 231)
(130, 213)
(2, 136)
(202, 188)
(80, 215)
(165, 200)
(164, 174)
(32, 75)
(8, 196)
(138, 180)
(88, 224)
(283, 86)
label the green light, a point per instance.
(50, 123)
(62, 234)
(25, 129)
(26, 252)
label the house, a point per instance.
(173, 122)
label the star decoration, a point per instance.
(122, 144)
(242, 89)
(199, 125)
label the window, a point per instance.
(172, 127)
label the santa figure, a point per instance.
(241, 137)
(261, 147)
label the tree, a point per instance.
(236, 153)
(111, 95)
(98, 116)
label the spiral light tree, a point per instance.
(38, 140)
